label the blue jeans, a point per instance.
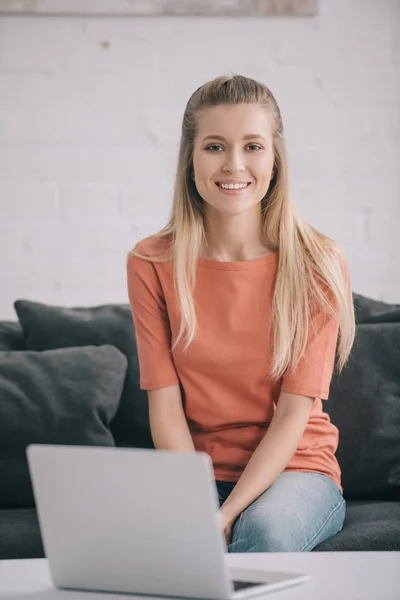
(298, 512)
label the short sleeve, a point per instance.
(152, 329)
(313, 374)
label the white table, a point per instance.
(334, 576)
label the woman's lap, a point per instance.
(298, 512)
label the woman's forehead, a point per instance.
(236, 121)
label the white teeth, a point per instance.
(232, 186)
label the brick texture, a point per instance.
(90, 114)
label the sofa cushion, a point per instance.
(20, 534)
(49, 327)
(368, 526)
(11, 336)
(368, 310)
(364, 404)
(65, 396)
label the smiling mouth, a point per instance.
(233, 186)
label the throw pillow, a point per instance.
(11, 336)
(364, 404)
(49, 327)
(66, 396)
(374, 311)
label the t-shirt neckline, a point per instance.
(238, 265)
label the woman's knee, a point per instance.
(288, 522)
(262, 531)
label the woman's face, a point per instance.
(233, 149)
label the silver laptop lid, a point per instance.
(130, 520)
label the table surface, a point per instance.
(334, 576)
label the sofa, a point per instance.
(71, 376)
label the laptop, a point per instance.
(138, 521)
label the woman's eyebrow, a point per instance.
(249, 136)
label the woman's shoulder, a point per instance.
(338, 255)
(148, 257)
(153, 245)
(335, 252)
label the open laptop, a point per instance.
(137, 521)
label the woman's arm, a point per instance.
(169, 428)
(273, 453)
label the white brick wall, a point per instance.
(89, 137)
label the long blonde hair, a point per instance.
(312, 273)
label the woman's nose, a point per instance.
(233, 162)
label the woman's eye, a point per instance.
(213, 146)
(219, 148)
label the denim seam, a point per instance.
(239, 527)
(323, 525)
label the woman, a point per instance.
(237, 305)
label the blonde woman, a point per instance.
(238, 305)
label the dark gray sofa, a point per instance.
(71, 375)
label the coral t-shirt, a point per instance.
(228, 399)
